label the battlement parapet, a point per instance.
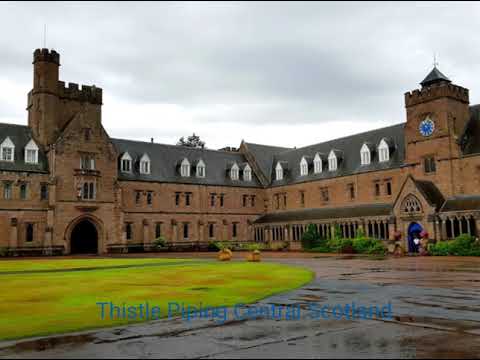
(46, 55)
(435, 92)
(90, 94)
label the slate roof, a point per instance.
(433, 77)
(327, 213)
(431, 193)
(348, 148)
(264, 155)
(21, 136)
(470, 139)
(165, 160)
(459, 203)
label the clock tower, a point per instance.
(436, 116)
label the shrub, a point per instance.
(212, 246)
(463, 245)
(342, 246)
(310, 237)
(254, 247)
(365, 245)
(159, 243)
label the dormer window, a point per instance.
(201, 169)
(279, 171)
(126, 163)
(247, 173)
(234, 172)
(145, 164)
(317, 164)
(7, 150)
(185, 168)
(31, 153)
(303, 167)
(365, 155)
(332, 161)
(383, 151)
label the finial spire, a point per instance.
(435, 62)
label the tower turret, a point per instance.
(43, 99)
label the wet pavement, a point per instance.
(430, 308)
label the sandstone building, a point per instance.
(67, 187)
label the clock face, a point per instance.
(427, 127)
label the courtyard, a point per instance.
(434, 305)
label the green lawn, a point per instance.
(39, 303)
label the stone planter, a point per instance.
(254, 256)
(225, 255)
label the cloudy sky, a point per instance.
(288, 74)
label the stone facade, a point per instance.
(79, 179)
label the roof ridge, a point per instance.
(12, 124)
(350, 136)
(179, 146)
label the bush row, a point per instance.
(312, 241)
(463, 245)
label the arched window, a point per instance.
(158, 230)
(128, 231)
(185, 168)
(383, 151)
(247, 173)
(211, 230)
(279, 172)
(145, 164)
(200, 171)
(317, 164)
(365, 156)
(29, 233)
(411, 205)
(234, 172)
(303, 167)
(332, 161)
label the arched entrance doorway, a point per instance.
(414, 231)
(84, 238)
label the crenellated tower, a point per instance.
(51, 103)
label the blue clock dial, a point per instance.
(427, 127)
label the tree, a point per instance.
(192, 141)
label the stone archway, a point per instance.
(414, 231)
(84, 237)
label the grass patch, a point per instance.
(64, 301)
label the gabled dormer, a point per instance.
(185, 168)
(234, 172)
(31, 152)
(366, 154)
(7, 150)
(304, 164)
(318, 163)
(200, 169)
(278, 171)
(334, 158)
(126, 163)
(145, 164)
(384, 150)
(247, 173)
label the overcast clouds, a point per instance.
(288, 74)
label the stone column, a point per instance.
(201, 232)
(13, 243)
(174, 231)
(146, 236)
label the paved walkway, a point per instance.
(434, 302)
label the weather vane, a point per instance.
(435, 62)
